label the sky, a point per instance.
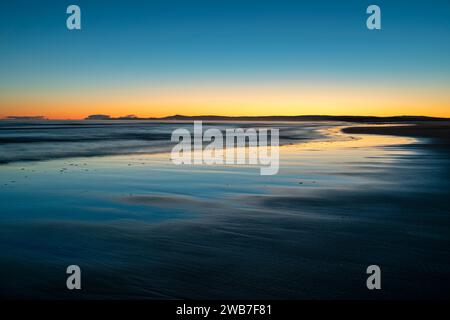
(224, 57)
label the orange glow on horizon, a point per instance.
(237, 101)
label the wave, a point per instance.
(45, 140)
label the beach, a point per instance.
(107, 197)
(438, 130)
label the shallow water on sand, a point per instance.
(141, 227)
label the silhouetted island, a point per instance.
(26, 118)
(357, 119)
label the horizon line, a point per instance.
(175, 116)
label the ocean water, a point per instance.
(105, 196)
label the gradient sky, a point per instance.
(224, 57)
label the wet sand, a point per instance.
(436, 130)
(141, 227)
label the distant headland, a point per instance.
(26, 118)
(344, 118)
(363, 119)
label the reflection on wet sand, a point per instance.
(141, 227)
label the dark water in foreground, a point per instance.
(141, 227)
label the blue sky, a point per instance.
(166, 42)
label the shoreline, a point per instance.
(438, 132)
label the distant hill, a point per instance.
(360, 119)
(99, 117)
(26, 118)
